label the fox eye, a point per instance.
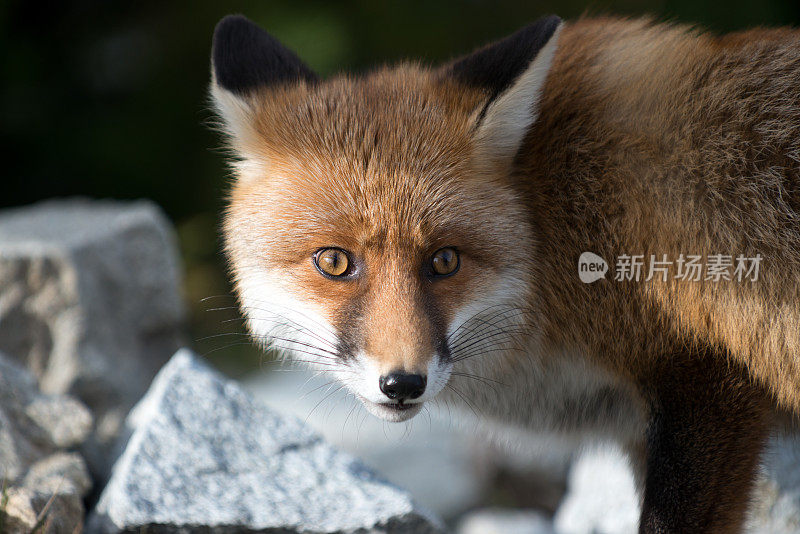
(332, 262)
(445, 261)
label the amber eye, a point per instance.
(332, 261)
(445, 261)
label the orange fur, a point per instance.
(651, 139)
(363, 165)
(662, 141)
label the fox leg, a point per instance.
(706, 431)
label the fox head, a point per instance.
(373, 227)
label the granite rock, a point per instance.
(204, 455)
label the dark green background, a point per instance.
(108, 98)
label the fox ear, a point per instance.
(244, 59)
(513, 72)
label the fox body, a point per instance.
(416, 232)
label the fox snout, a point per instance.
(397, 394)
(401, 386)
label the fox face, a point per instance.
(374, 230)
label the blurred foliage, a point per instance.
(109, 99)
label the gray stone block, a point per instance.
(90, 303)
(203, 456)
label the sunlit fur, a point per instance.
(362, 165)
(650, 139)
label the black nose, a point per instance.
(402, 386)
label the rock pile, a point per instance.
(90, 304)
(43, 481)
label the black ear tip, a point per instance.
(234, 18)
(245, 57)
(495, 66)
(232, 33)
(550, 22)
(537, 33)
(231, 25)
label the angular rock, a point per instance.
(405, 454)
(43, 485)
(89, 302)
(204, 455)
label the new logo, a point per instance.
(591, 267)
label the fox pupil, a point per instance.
(332, 262)
(445, 261)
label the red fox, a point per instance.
(422, 231)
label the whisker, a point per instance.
(288, 353)
(472, 317)
(347, 417)
(326, 397)
(310, 362)
(485, 380)
(496, 323)
(488, 351)
(484, 317)
(306, 394)
(228, 346)
(301, 343)
(210, 297)
(223, 334)
(275, 304)
(483, 344)
(268, 342)
(427, 412)
(505, 337)
(248, 309)
(509, 333)
(301, 328)
(222, 308)
(449, 385)
(483, 333)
